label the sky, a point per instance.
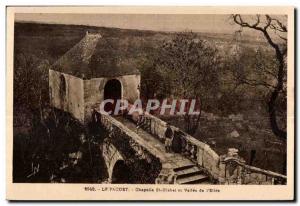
(158, 22)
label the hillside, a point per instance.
(53, 40)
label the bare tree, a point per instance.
(274, 31)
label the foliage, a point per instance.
(30, 76)
(52, 155)
(189, 66)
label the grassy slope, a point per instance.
(54, 39)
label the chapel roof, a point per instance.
(94, 57)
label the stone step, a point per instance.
(206, 182)
(192, 180)
(187, 166)
(188, 171)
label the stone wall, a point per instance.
(72, 101)
(257, 179)
(81, 96)
(209, 159)
(142, 158)
(111, 155)
(130, 87)
(157, 127)
(93, 95)
(225, 169)
(205, 156)
(214, 164)
(94, 91)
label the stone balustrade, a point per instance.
(235, 171)
(229, 168)
(141, 147)
(224, 169)
(188, 146)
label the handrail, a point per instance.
(155, 152)
(192, 140)
(254, 169)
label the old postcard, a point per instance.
(150, 103)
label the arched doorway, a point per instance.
(112, 90)
(121, 173)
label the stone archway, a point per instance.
(111, 156)
(112, 90)
(120, 173)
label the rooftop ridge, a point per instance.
(87, 33)
(89, 46)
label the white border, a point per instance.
(3, 3)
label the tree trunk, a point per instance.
(274, 95)
(272, 115)
(187, 123)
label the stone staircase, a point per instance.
(186, 171)
(191, 174)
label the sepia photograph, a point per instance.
(151, 103)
